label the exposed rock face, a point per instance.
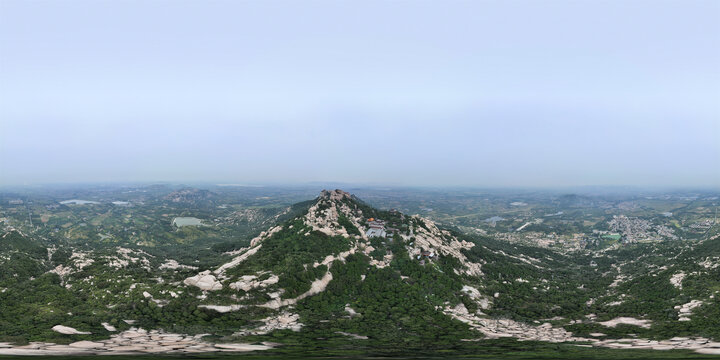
(68, 330)
(316, 287)
(205, 281)
(125, 257)
(474, 294)
(351, 311)
(62, 271)
(87, 345)
(222, 308)
(171, 264)
(442, 242)
(335, 195)
(494, 329)
(133, 341)
(627, 320)
(237, 260)
(159, 302)
(81, 259)
(331, 258)
(282, 321)
(685, 310)
(508, 328)
(244, 254)
(323, 216)
(677, 279)
(700, 345)
(264, 235)
(710, 262)
(713, 351)
(249, 282)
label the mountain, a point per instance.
(339, 271)
(325, 258)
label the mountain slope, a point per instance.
(20, 257)
(326, 257)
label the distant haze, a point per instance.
(485, 93)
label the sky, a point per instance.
(439, 93)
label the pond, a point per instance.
(186, 221)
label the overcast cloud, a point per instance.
(480, 93)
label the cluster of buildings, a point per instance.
(376, 228)
(426, 255)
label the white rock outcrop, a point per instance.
(677, 279)
(475, 295)
(431, 238)
(205, 281)
(282, 321)
(222, 308)
(627, 320)
(316, 287)
(351, 311)
(68, 330)
(132, 342)
(174, 265)
(685, 310)
(249, 282)
(87, 345)
(237, 260)
(324, 214)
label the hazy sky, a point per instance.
(486, 93)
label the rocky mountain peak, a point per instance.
(336, 194)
